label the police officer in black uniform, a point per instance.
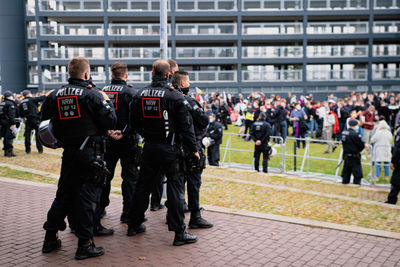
(395, 165)
(352, 146)
(159, 114)
(80, 116)
(8, 113)
(28, 110)
(199, 119)
(156, 194)
(260, 132)
(214, 132)
(123, 145)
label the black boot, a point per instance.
(9, 154)
(51, 242)
(196, 221)
(132, 231)
(184, 238)
(87, 249)
(100, 230)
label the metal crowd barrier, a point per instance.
(226, 160)
(303, 169)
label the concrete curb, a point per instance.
(306, 222)
(279, 187)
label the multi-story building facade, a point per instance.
(273, 46)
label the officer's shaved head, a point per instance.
(161, 68)
(119, 69)
(77, 67)
(173, 66)
(178, 77)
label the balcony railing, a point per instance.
(134, 53)
(62, 77)
(33, 78)
(337, 27)
(337, 75)
(337, 51)
(135, 5)
(206, 52)
(206, 29)
(271, 28)
(135, 29)
(257, 5)
(337, 4)
(139, 76)
(205, 5)
(387, 27)
(72, 29)
(386, 74)
(30, 10)
(32, 55)
(71, 52)
(213, 76)
(391, 50)
(386, 4)
(31, 32)
(272, 76)
(71, 5)
(272, 52)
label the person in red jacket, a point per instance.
(369, 123)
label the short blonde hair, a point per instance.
(78, 66)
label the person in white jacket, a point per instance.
(381, 142)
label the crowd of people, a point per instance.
(377, 114)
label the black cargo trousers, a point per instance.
(193, 180)
(159, 158)
(127, 151)
(32, 124)
(76, 193)
(352, 165)
(258, 150)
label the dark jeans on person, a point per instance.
(76, 194)
(32, 124)
(280, 130)
(159, 158)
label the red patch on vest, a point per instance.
(151, 108)
(68, 107)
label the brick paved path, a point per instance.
(234, 241)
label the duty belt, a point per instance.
(353, 155)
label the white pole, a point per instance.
(163, 30)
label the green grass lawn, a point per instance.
(311, 165)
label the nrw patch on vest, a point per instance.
(68, 107)
(151, 108)
(113, 96)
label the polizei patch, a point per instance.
(113, 96)
(68, 107)
(151, 108)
